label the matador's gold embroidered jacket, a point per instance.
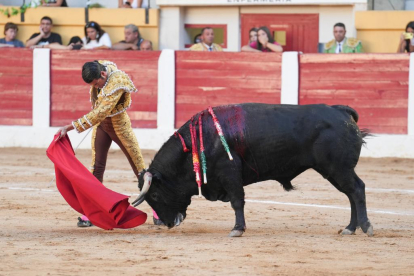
(113, 99)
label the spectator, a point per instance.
(197, 39)
(75, 40)
(146, 45)
(252, 35)
(341, 43)
(45, 36)
(54, 3)
(75, 43)
(133, 4)
(95, 37)
(265, 42)
(207, 38)
(132, 40)
(10, 32)
(406, 39)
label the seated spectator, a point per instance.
(265, 42)
(54, 3)
(10, 32)
(133, 4)
(95, 37)
(252, 35)
(132, 40)
(75, 40)
(75, 43)
(341, 44)
(207, 38)
(146, 45)
(197, 39)
(45, 36)
(406, 39)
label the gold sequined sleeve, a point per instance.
(99, 113)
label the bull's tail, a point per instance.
(364, 132)
(348, 110)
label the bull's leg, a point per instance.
(358, 195)
(236, 192)
(350, 229)
(240, 226)
(354, 188)
(234, 188)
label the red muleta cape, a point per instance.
(86, 194)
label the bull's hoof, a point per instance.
(347, 232)
(370, 231)
(368, 228)
(236, 233)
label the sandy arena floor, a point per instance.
(293, 233)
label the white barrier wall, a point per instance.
(41, 134)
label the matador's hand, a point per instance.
(63, 131)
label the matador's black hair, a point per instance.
(92, 71)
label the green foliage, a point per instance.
(13, 11)
(96, 5)
(6, 12)
(24, 8)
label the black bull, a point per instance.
(267, 142)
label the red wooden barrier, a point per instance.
(204, 79)
(70, 95)
(375, 85)
(16, 86)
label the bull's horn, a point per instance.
(145, 188)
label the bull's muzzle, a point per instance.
(177, 221)
(145, 188)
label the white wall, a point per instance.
(171, 28)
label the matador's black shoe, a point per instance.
(157, 221)
(84, 223)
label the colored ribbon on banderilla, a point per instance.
(220, 132)
(196, 162)
(203, 156)
(196, 159)
(185, 149)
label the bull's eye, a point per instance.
(154, 196)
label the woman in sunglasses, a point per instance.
(95, 37)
